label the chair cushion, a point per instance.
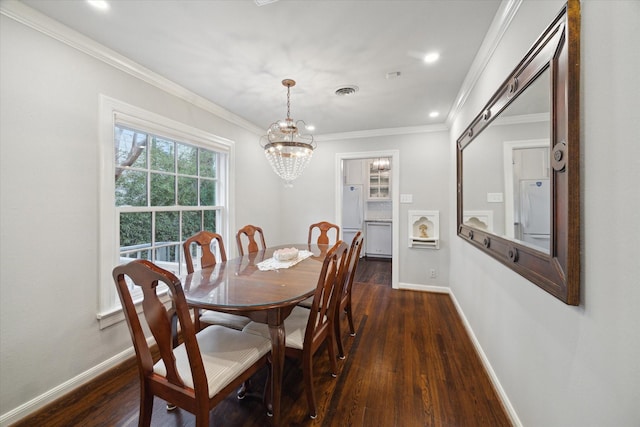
(232, 321)
(295, 326)
(306, 303)
(226, 353)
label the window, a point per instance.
(162, 184)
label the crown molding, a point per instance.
(25, 15)
(30, 17)
(521, 119)
(499, 26)
(382, 132)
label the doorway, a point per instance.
(394, 156)
(527, 159)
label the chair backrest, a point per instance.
(323, 227)
(250, 231)
(147, 276)
(326, 294)
(350, 268)
(203, 239)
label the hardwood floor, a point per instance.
(410, 364)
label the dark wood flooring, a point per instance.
(411, 363)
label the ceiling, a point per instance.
(235, 54)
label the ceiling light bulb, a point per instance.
(432, 57)
(99, 4)
(434, 114)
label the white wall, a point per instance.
(49, 179)
(49, 175)
(562, 365)
(422, 168)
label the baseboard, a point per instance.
(513, 416)
(424, 288)
(39, 402)
(57, 392)
(511, 412)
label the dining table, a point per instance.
(256, 286)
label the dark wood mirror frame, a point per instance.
(558, 50)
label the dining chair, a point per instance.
(344, 296)
(250, 231)
(197, 374)
(323, 227)
(204, 239)
(306, 330)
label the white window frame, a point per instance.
(113, 111)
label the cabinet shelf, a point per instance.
(379, 182)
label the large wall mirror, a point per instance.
(518, 165)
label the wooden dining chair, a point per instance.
(308, 329)
(250, 231)
(323, 227)
(197, 374)
(344, 297)
(203, 239)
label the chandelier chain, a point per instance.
(288, 102)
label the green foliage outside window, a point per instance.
(178, 175)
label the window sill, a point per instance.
(116, 315)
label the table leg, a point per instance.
(277, 367)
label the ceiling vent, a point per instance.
(346, 90)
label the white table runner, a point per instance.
(274, 264)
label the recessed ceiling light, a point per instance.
(310, 127)
(434, 114)
(99, 4)
(432, 57)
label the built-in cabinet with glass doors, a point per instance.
(379, 179)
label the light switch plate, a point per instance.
(495, 198)
(406, 198)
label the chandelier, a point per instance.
(287, 150)
(381, 164)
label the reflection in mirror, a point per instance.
(506, 170)
(518, 165)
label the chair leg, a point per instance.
(350, 317)
(196, 319)
(338, 338)
(331, 349)
(244, 389)
(307, 376)
(202, 417)
(146, 407)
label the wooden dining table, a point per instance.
(238, 286)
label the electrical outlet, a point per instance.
(433, 273)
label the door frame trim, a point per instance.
(395, 198)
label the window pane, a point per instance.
(210, 221)
(167, 227)
(191, 223)
(131, 188)
(187, 191)
(163, 190)
(187, 160)
(162, 155)
(207, 163)
(130, 147)
(207, 192)
(135, 230)
(167, 256)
